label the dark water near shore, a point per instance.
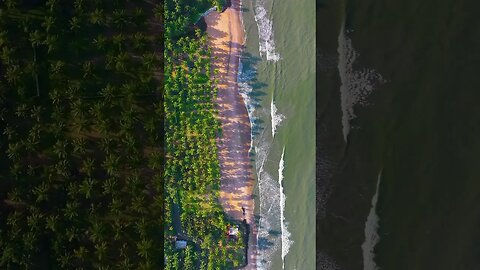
(420, 128)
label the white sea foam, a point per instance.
(245, 90)
(356, 85)
(269, 212)
(276, 117)
(286, 242)
(371, 234)
(265, 33)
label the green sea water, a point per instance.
(278, 82)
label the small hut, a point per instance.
(233, 231)
(180, 244)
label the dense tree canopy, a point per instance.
(81, 180)
(192, 172)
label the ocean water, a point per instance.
(277, 81)
(398, 95)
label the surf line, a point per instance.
(371, 232)
(277, 117)
(286, 242)
(265, 33)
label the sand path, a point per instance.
(226, 38)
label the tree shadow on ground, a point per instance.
(253, 87)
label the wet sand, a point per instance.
(226, 38)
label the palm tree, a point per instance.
(57, 67)
(61, 168)
(97, 17)
(13, 74)
(139, 41)
(87, 167)
(87, 69)
(13, 151)
(101, 250)
(51, 42)
(138, 204)
(60, 149)
(110, 186)
(52, 5)
(155, 160)
(79, 6)
(36, 112)
(79, 145)
(100, 42)
(36, 38)
(86, 187)
(121, 62)
(11, 4)
(58, 128)
(65, 260)
(125, 264)
(120, 18)
(6, 54)
(118, 40)
(143, 248)
(48, 23)
(9, 132)
(75, 23)
(51, 223)
(97, 232)
(41, 192)
(108, 92)
(71, 210)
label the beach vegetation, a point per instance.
(81, 178)
(192, 170)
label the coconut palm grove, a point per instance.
(81, 178)
(90, 92)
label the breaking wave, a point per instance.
(356, 85)
(265, 33)
(371, 234)
(277, 118)
(267, 241)
(286, 242)
(243, 77)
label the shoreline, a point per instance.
(226, 37)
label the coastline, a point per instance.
(226, 38)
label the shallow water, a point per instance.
(278, 81)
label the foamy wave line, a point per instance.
(371, 234)
(265, 34)
(286, 242)
(243, 77)
(356, 85)
(276, 117)
(268, 193)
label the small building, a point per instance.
(233, 230)
(180, 244)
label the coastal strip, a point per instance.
(226, 39)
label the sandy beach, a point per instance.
(226, 38)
